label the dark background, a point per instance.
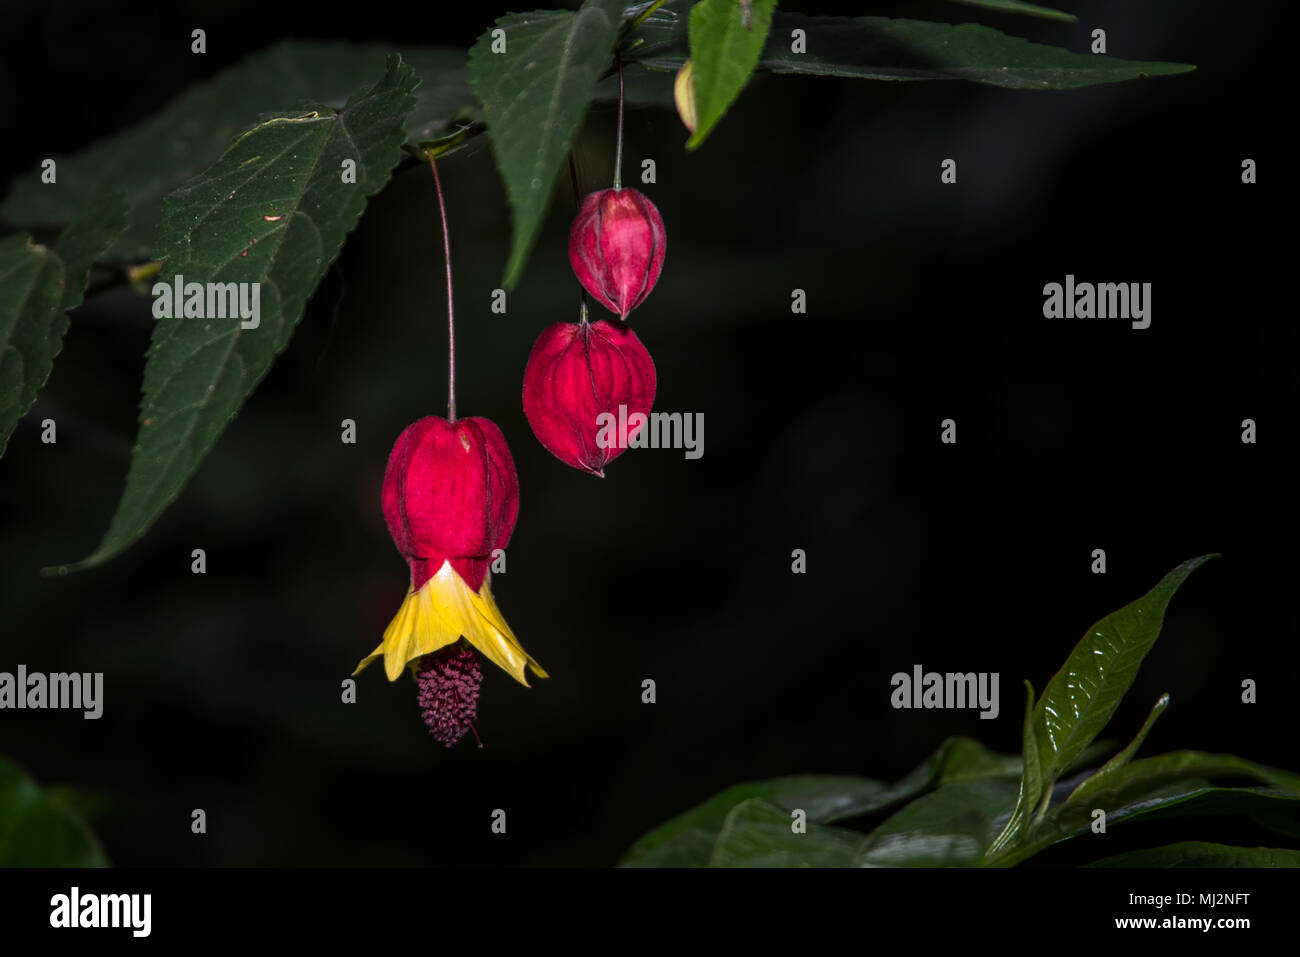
(822, 433)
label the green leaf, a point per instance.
(1125, 756)
(534, 96)
(38, 287)
(1031, 779)
(756, 834)
(950, 827)
(725, 51)
(151, 158)
(1081, 698)
(688, 839)
(274, 210)
(89, 236)
(1202, 854)
(1017, 6)
(880, 48)
(37, 830)
(1171, 784)
(31, 325)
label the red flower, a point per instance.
(578, 372)
(450, 494)
(617, 247)
(450, 498)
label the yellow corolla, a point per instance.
(443, 610)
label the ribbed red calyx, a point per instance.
(616, 246)
(576, 372)
(450, 494)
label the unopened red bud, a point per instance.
(579, 372)
(617, 247)
(450, 494)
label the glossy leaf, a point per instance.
(274, 210)
(950, 827)
(757, 834)
(687, 840)
(1017, 6)
(724, 51)
(534, 96)
(1081, 698)
(190, 132)
(1031, 780)
(1124, 757)
(881, 48)
(1171, 784)
(1202, 854)
(38, 830)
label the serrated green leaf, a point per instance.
(724, 50)
(757, 834)
(274, 210)
(534, 96)
(37, 830)
(950, 827)
(90, 235)
(1018, 6)
(880, 48)
(31, 325)
(151, 158)
(33, 317)
(1081, 698)
(1202, 854)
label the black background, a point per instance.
(822, 433)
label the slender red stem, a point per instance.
(451, 312)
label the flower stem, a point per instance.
(577, 203)
(618, 149)
(451, 313)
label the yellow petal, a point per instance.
(494, 639)
(443, 610)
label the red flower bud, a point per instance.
(450, 494)
(576, 372)
(617, 247)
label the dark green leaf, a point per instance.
(534, 96)
(38, 287)
(688, 839)
(1125, 756)
(880, 48)
(1017, 6)
(275, 211)
(1171, 784)
(90, 235)
(1079, 700)
(1201, 854)
(950, 827)
(1031, 780)
(150, 159)
(757, 834)
(36, 830)
(725, 51)
(31, 325)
